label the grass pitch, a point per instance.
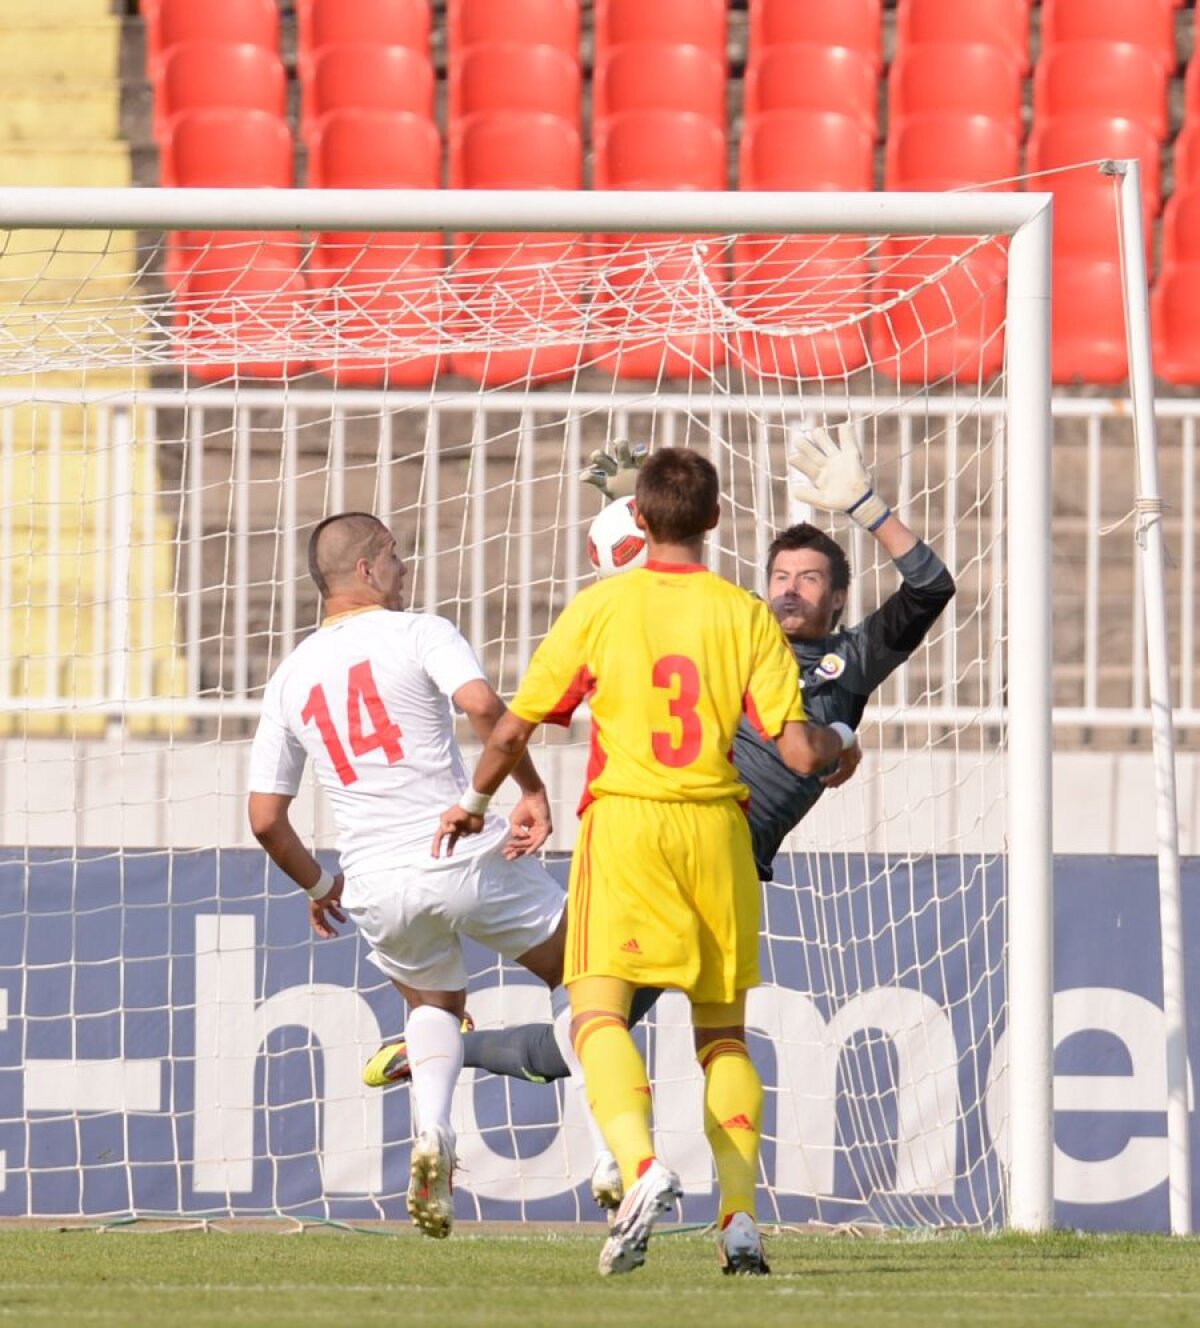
(530, 1280)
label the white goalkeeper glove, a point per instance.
(833, 477)
(616, 476)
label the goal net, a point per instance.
(179, 405)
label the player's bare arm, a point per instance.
(894, 537)
(808, 748)
(531, 821)
(500, 758)
(272, 827)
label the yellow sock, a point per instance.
(733, 1099)
(618, 1089)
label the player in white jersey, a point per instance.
(367, 698)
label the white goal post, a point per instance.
(1025, 417)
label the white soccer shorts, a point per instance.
(413, 917)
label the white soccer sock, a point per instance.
(435, 1052)
(560, 1005)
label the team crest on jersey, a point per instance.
(831, 666)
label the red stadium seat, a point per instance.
(1175, 302)
(1102, 78)
(1068, 140)
(239, 305)
(206, 74)
(658, 290)
(1086, 211)
(368, 149)
(1003, 23)
(226, 149)
(939, 319)
(950, 150)
(659, 150)
(367, 77)
(525, 290)
(515, 150)
(782, 150)
(1187, 155)
(377, 22)
(514, 76)
(382, 296)
(1147, 23)
(1181, 227)
(535, 22)
(967, 77)
(688, 22)
(173, 22)
(857, 24)
(187, 250)
(1191, 91)
(1088, 323)
(805, 76)
(1175, 323)
(784, 283)
(659, 76)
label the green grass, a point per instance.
(494, 1280)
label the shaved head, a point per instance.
(337, 544)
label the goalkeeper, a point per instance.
(808, 579)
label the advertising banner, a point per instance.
(173, 1039)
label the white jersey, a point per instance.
(367, 699)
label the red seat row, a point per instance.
(682, 145)
(368, 149)
(245, 306)
(1175, 301)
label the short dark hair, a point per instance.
(364, 537)
(677, 494)
(804, 535)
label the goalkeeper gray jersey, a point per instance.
(838, 674)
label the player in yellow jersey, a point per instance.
(663, 889)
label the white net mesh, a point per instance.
(176, 412)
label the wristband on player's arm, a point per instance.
(846, 733)
(317, 892)
(870, 511)
(474, 802)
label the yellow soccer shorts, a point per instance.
(665, 894)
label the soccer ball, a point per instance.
(615, 543)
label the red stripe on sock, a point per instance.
(726, 1047)
(592, 1025)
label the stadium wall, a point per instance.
(192, 796)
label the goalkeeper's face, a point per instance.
(802, 596)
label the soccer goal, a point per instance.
(191, 378)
